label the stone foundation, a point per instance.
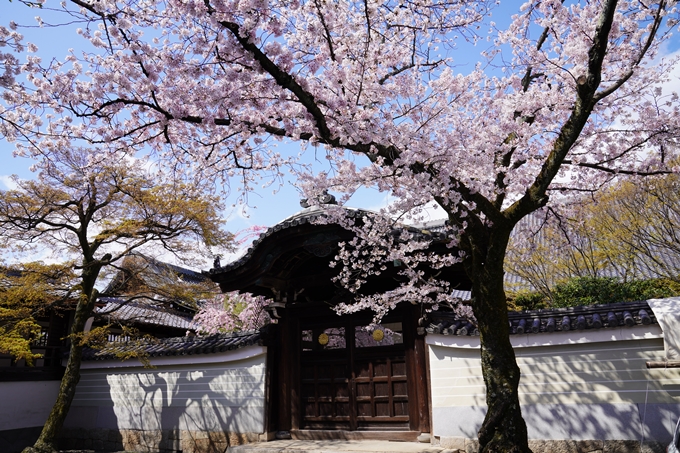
(167, 441)
(465, 445)
(15, 440)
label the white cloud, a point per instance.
(673, 83)
(8, 182)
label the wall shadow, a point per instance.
(184, 408)
(595, 391)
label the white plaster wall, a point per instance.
(224, 396)
(26, 404)
(594, 387)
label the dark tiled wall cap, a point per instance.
(625, 314)
(176, 346)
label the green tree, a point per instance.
(606, 290)
(28, 291)
(629, 230)
(580, 291)
(97, 208)
(636, 226)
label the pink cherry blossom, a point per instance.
(568, 97)
(231, 312)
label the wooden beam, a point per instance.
(663, 364)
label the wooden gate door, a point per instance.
(354, 377)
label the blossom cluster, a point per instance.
(568, 98)
(231, 312)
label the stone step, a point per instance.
(337, 446)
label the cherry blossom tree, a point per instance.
(9, 63)
(567, 97)
(231, 312)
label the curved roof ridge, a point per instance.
(306, 215)
(309, 215)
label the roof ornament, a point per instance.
(327, 198)
(324, 198)
(216, 261)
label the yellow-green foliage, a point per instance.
(631, 230)
(16, 337)
(96, 209)
(27, 292)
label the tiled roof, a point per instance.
(626, 314)
(436, 229)
(310, 215)
(176, 346)
(144, 313)
(188, 275)
(155, 267)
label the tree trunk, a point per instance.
(47, 442)
(504, 429)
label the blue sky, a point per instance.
(265, 208)
(55, 42)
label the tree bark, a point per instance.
(504, 429)
(47, 442)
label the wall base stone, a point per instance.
(466, 445)
(15, 440)
(471, 445)
(453, 443)
(157, 441)
(566, 446)
(653, 447)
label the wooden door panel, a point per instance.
(381, 395)
(325, 392)
(351, 379)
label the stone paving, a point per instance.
(449, 446)
(335, 446)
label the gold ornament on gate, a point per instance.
(378, 335)
(323, 339)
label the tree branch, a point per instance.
(535, 196)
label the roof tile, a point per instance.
(177, 346)
(625, 314)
